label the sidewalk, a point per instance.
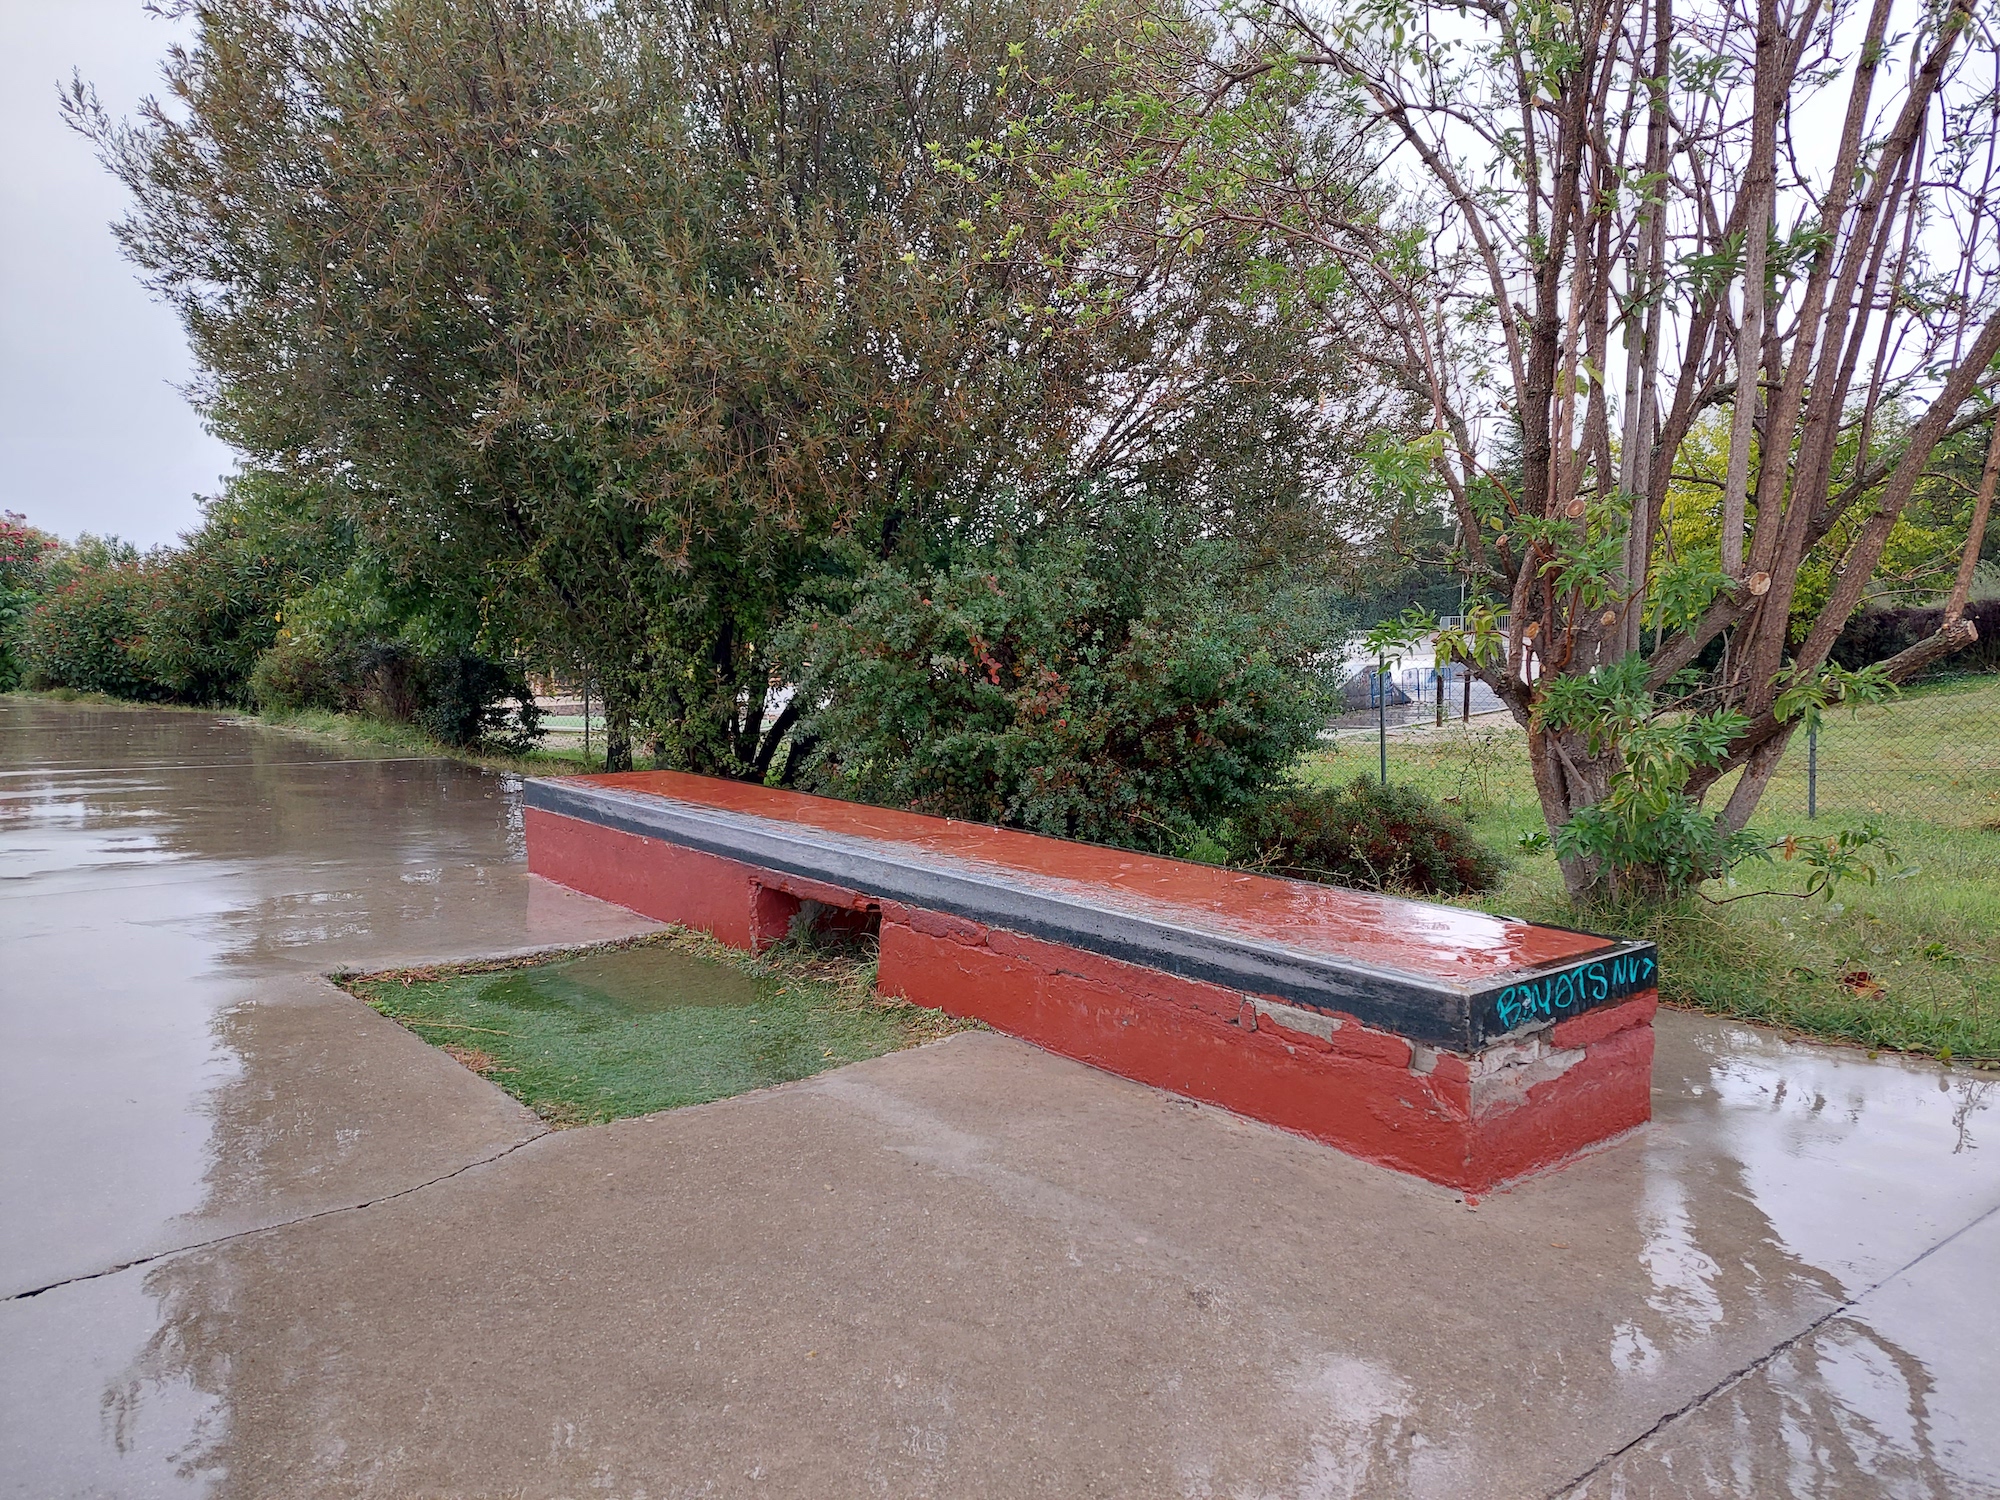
(271, 1244)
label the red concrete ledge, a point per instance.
(1465, 1048)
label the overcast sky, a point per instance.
(94, 434)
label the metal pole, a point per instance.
(1812, 770)
(1468, 693)
(1382, 715)
(586, 721)
(1440, 689)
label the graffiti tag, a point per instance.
(1573, 990)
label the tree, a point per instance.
(1610, 220)
(1119, 681)
(23, 550)
(217, 600)
(621, 324)
(1920, 557)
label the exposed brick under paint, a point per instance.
(1517, 1107)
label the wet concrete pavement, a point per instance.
(351, 1268)
(172, 889)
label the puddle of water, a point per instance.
(638, 981)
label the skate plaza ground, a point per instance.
(260, 1240)
(1468, 1049)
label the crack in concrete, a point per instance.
(1737, 1377)
(416, 1187)
(242, 1234)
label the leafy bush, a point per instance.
(1098, 688)
(1366, 834)
(1645, 832)
(297, 675)
(467, 699)
(390, 681)
(215, 607)
(22, 550)
(460, 697)
(88, 634)
(186, 622)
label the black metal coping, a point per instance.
(1462, 1017)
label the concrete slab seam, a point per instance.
(242, 1234)
(546, 1133)
(1783, 1346)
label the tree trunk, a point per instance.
(1758, 188)
(1758, 769)
(1975, 536)
(617, 732)
(1567, 779)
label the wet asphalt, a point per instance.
(256, 1240)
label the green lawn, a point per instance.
(386, 734)
(629, 1028)
(1911, 964)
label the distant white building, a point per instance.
(1407, 678)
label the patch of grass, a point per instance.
(652, 1023)
(1911, 964)
(89, 699)
(387, 734)
(346, 729)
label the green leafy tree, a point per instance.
(615, 326)
(1584, 227)
(1114, 684)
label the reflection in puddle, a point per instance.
(152, 1429)
(1359, 1424)
(1859, 1164)
(1684, 1275)
(1845, 1413)
(1971, 1100)
(171, 1402)
(1875, 1398)
(1632, 1353)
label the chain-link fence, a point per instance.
(1406, 696)
(1931, 754)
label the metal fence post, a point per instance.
(1382, 715)
(1812, 770)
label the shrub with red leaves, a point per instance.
(88, 634)
(22, 549)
